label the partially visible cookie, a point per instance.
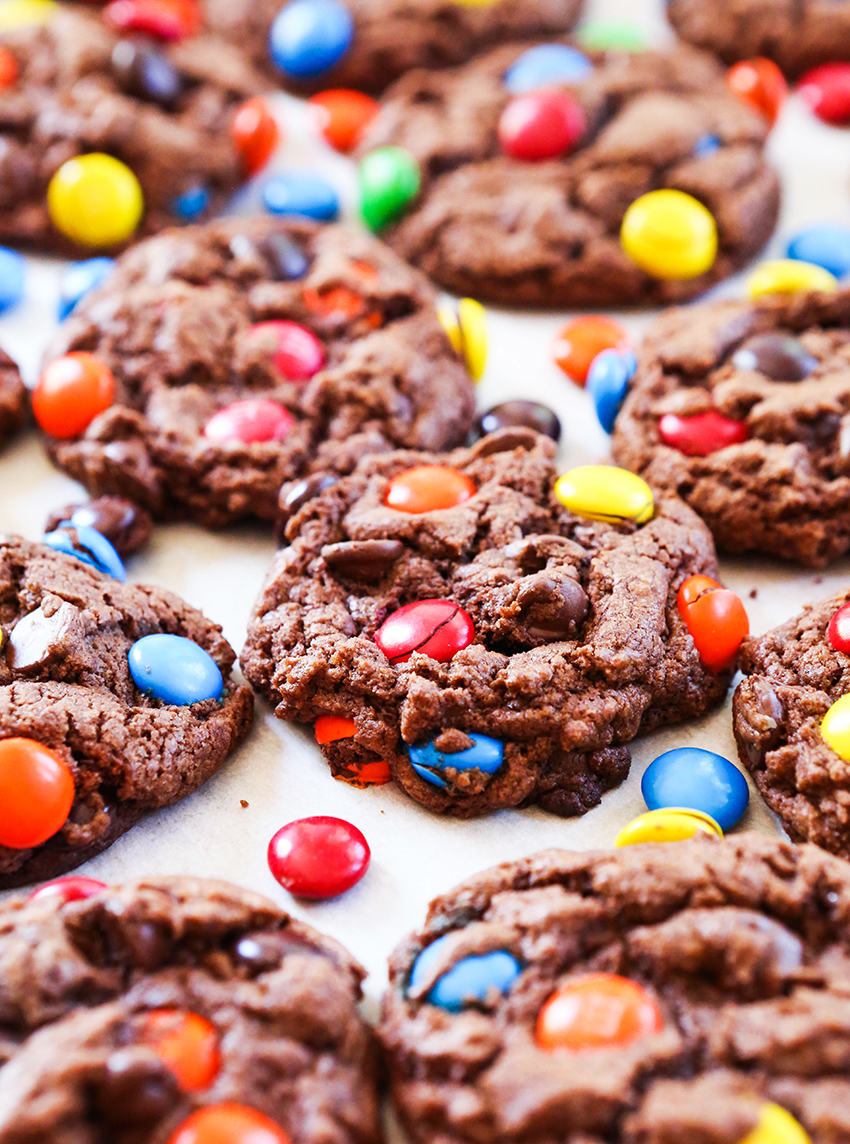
(13, 398)
(686, 991)
(797, 34)
(327, 339)
(547, 233)
(743, 410)
(794, 674)
(493, 649)
(125, 1014)
(162, 109)
(66, 685)
(385, 37)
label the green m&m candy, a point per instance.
(389, 181)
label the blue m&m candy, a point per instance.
(88, 546)
(707, 145)
(11, 278)
(80, 279)
(826, 245)
(545, 65)
(469, 980)
(485, 754)
(192, 204)
(607, 382)
(698, 780)
(174, 669)
(297, 194)
(309, 36)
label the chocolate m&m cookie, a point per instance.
(14, 401)
(218, 362)
(743, 409)
(554, 175)
(178, 1011)
(366, 44)
(483, 631)
(686, 991)
(114, 700)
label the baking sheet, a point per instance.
(279, 772)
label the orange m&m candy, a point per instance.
(716, 619)
(759, 83)
(597, 1011)
(581, 340)
(342, 304)
(256, 134)
(71, 392)
(330, 728)
(428, 488)
(187, 1044)
(368, 774)
(229, 1124)
(9, 70)
(343, 116)
(36, 793)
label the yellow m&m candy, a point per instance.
(17, 13)
(95, 200)
(672, 824)
(603, 492)
(788, 276)
(835, 727)
(467, 331)
(670, 235)
(776, 1126)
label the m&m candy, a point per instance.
(777, 356)
(95, 200)
(582, 339)
(36, 793)
(295, 352)
(249, 422)
(597, 1011)
(525, 414)
(228, 1124)
(342, 116)
(670, 235)
(702, 433)
(9, 70)
(71, 889)
(174, 670)
(826, 89)
(71, 392)
(789, 276)
(192, 204)
(186, 1043)
(485, 754)
(165, 19)
(466, 328)
(541, 125)
(470, 981)
(301, 194)
(835, 727)
(11, 278)
(672, 824)
(87, 545)
(389, 181)
(436, 628)
(716, 619)
(255, 133)
(80, 279)
(309, 36)
(691, 778)
(332, 728)
(611, 36)
(146, 73)
(318, 857)
(606, 493)
(546, 65)
(708, 144)
(776, 1126)
(18, 13)
(428, 488)
(608, 382)
(838, 632)
(760, 84)
(826, 245)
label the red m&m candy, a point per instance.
(73, 889)
(716, 619)
(826, 90)
(428, 488)
(9, 69)
(541, 125)
(597, 1011)
(36, 793)
(256, 134)
(251, 421)
(228, 1124)
(71, 392)
(318, 857)
(436, 628)
(838, 631)
(167, 19)
(187, 1043)
(759, 83)
(702, 433)
(296, 352)
(583, 339)
(343, 116)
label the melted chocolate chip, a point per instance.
(552, 609)
(518, 414)
(38, 638)
(260, 952)
(293, 498)
(146, 73)
(127, 526)
(365, 561)
(761, 726)
(777, 356)
(148, 945)
(136, 1090)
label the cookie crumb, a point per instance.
(243, 802)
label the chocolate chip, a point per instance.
(366, 561)
(135, 1090)
(259, 952)
(552, 609)
(127, 526)
(38, 638)
(146, 73)
(148, 945)
(293, 498)
(777, 356)
(285, 257)
(518, 414)
(760, 725)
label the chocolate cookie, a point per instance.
(163, 109)
(794, 675)
(127, 1012)
(798, 34)
(14, 402)
(494, 652)
(378, 40)
(547, 233)
(321, 344)
(743, 410)
(67, 684)
(654, 994)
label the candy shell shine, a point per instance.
(788, 276)
(97, 550)
(469, 980)
(606, 493)
(544, 65)
(672, 824)
(607, 383)
(670, 235)
(692, 778)
(309, 36)
(301, 194)
(826, 245)
(78, 280)
(485, 754)
(776, 1126)
(174, 669)
(95, 200)
(835, 727)
(319, 857)
(389, 181)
